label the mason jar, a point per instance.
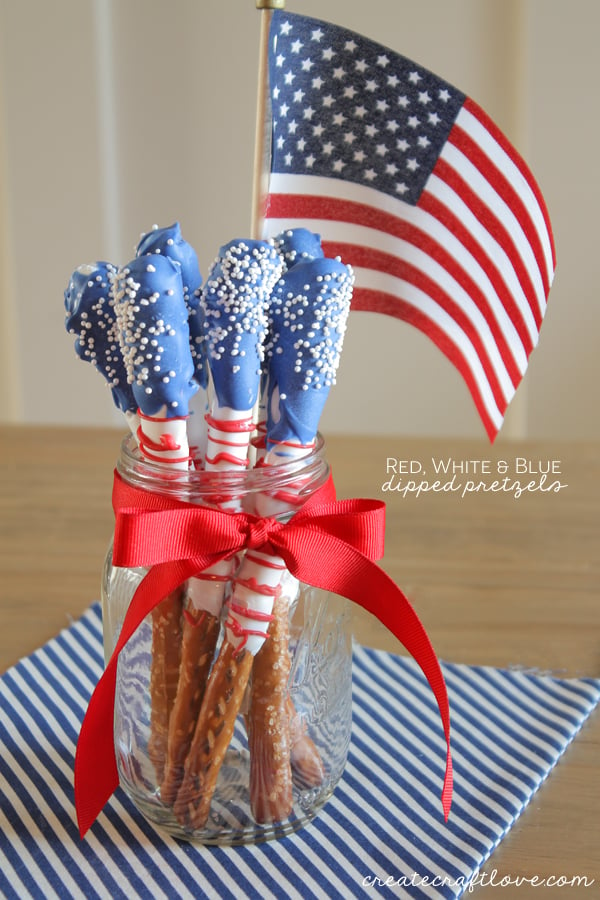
(278, 745)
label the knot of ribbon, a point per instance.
(328, 543)
(259, 532)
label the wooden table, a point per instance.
(496, 579)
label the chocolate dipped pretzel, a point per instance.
(300, 373)
(152, 315)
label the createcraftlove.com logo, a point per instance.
(478, 879)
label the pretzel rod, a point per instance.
(164, 441)
(271, 739)
(172, 452)
(249, 613)
(268, 723)
(164, 675)
(182, 655)
(269, 766)
(214, 730)
(156, 336)
(198, 641)
(233, 303)
(299, 376)
(233, 320)
(305, 759)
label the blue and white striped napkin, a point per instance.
(384, 822)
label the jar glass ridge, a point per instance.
(319, 682)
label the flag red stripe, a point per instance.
(367, 300)
(443, 214)
(492, 225)
(365, 257)
(304, 206)
(519, 162)
(463, 142)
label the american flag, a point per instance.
(412, 184)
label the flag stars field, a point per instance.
(351, 82)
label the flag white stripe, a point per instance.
(415, 297)
(454, 203)
(374, 279)
(419, 300)
(500, 158)
(420, 219)
(461, 164)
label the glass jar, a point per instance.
(281, 754)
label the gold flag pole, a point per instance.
(262, 136)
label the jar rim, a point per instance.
(196, 482)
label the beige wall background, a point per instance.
(115, 114)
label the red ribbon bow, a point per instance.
(328, 544)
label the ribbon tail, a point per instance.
(355, 576)
(395, 611)
(96, 774)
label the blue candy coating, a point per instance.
(298, 245)
(90, 314)
(154, 327)
(234, 301)
(309, 311)
(170, 242)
